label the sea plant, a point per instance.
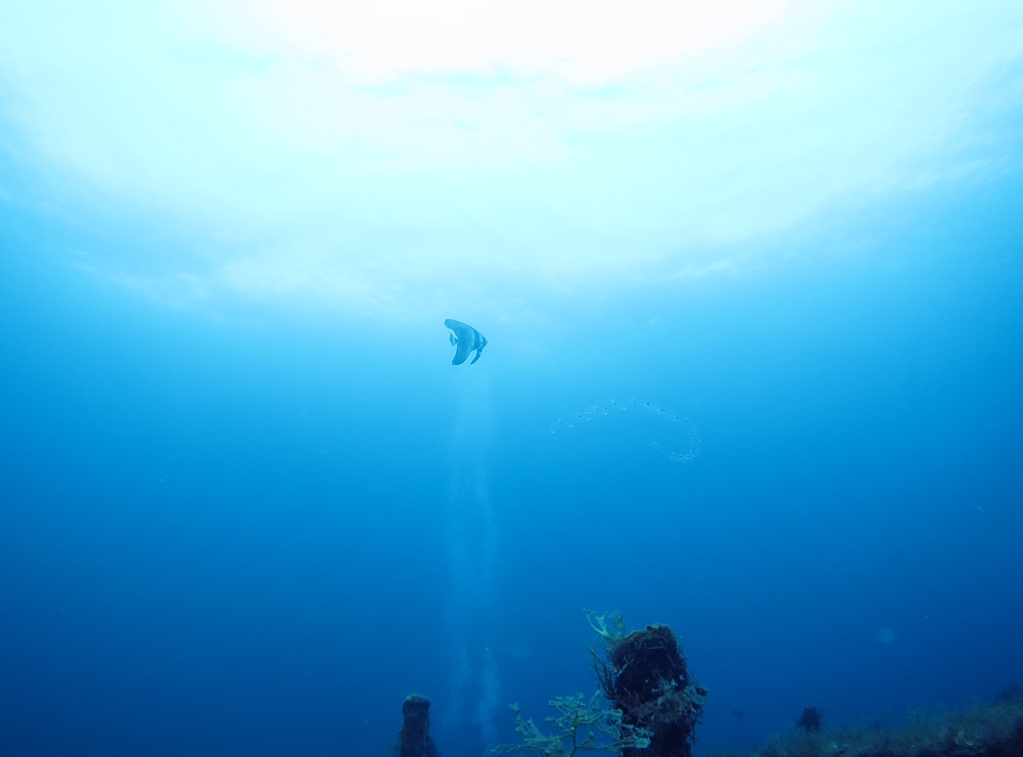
(579, 726)
(610, 625)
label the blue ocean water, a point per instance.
(257, 534)
(754, 366)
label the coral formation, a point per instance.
(655, 705)
(576, 729)
(644, 675)
(993, 729)
(414, 739)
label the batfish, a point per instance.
(465, 340)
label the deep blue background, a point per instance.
(251, 529)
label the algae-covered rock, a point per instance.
(984, 729)
(414, 739)
(645, 676)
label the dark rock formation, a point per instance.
(414, 739)
(810, 720)
(645, 676)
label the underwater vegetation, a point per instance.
(985, 729)
(655, 705)
(579, 726)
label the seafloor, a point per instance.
(984, 729)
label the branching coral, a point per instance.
(655, 704)
(610, 625)
(579, 726)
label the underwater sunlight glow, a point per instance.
(653, 368)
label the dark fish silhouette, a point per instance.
(465, 339)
